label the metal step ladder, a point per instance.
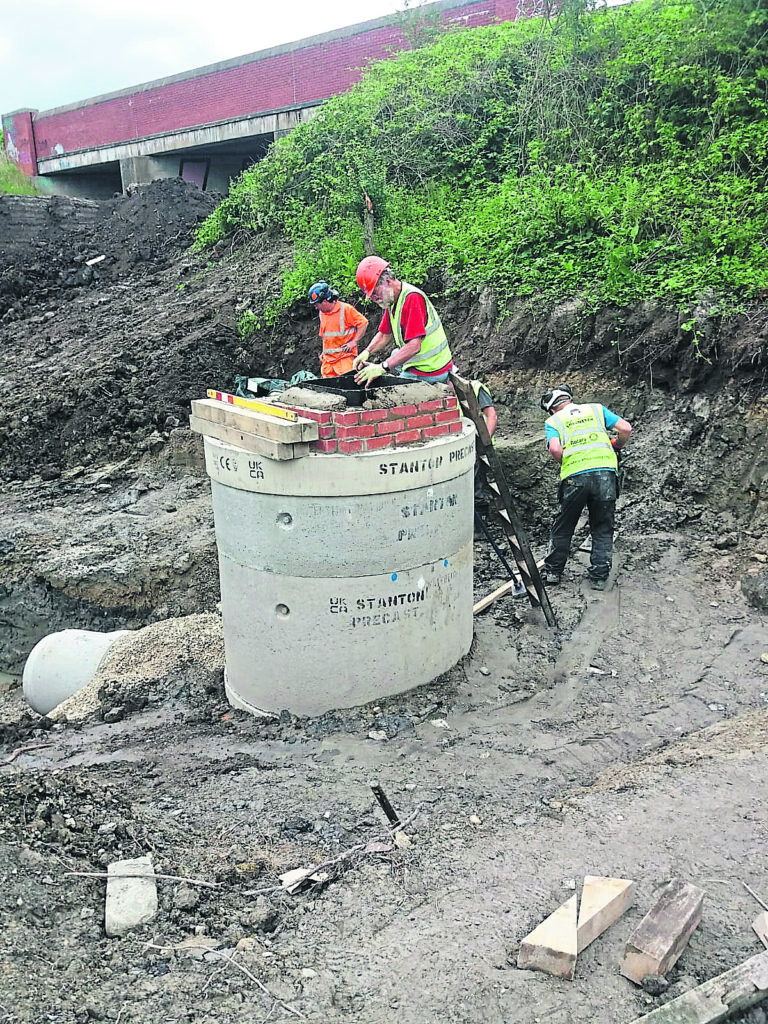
(502, 502)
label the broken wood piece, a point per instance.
(717, 999)
(760, 927)
(552, 946)
(657, 942)
(603, 901)
(248, 442)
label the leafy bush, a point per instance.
(619, 154)
(13, 181)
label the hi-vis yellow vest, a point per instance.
(585, 441)
(434, 353)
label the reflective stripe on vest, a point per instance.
(434, 353)
(585, 441)
(336, 334)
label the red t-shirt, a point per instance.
(413, 319)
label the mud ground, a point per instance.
(631, 740)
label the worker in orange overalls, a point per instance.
(341, 327)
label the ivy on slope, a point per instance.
(617, 155)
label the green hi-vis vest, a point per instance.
(585, 441)
(435, 353)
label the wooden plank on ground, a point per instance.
(252, 422)
(662, 935)
(603, 901)
(502, 591)
(717, 999)
(249, 442)
(760, 927)
(552, 946)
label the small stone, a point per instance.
(474, 820)
(654, 984)
(764, 658)
(307, 972)
(484, 670)
(115, 714)
(186, 898)
(377, 734)
(569, 883)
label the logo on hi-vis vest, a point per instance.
(587, 439)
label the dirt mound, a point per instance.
(51, 243)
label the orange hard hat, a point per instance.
(369, 271)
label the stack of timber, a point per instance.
(270, 434)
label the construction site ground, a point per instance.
(630, 740)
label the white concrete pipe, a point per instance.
(61, 663)
(344, 578)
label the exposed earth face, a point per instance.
(631, 740)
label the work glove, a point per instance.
(370, 373)
(361, 359)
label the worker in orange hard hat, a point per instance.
(410, 320)
(341, 327)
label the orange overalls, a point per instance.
(336, 329)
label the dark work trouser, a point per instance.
(597, 490)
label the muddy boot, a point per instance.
(551, 578)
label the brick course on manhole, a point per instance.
(367, 430)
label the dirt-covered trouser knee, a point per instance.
(596, 490)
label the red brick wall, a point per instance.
(367, 430)
(19, 139)
(299, 76)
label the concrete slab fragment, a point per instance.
(131, 895)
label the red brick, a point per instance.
(447, 416)
(402, 410)
(351, 447)
(451, 402)
(408, 436)
(415, 422)
(375, 443)
(345, 433)
(373, 415)
(390, 427)
(437, 431)
(455, 427)
(346, 419)
(326, 432)
(434, 406)
(327, 447)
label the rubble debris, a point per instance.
(656, 944)
(717, 999)
(131, 895)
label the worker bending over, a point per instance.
(578, 439)
(341, 327)
(421, 347)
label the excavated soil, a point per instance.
(631, 740)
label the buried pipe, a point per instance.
(62, 663)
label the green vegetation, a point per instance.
(13, 181)
(616, 155)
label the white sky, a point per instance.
(54, 52)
